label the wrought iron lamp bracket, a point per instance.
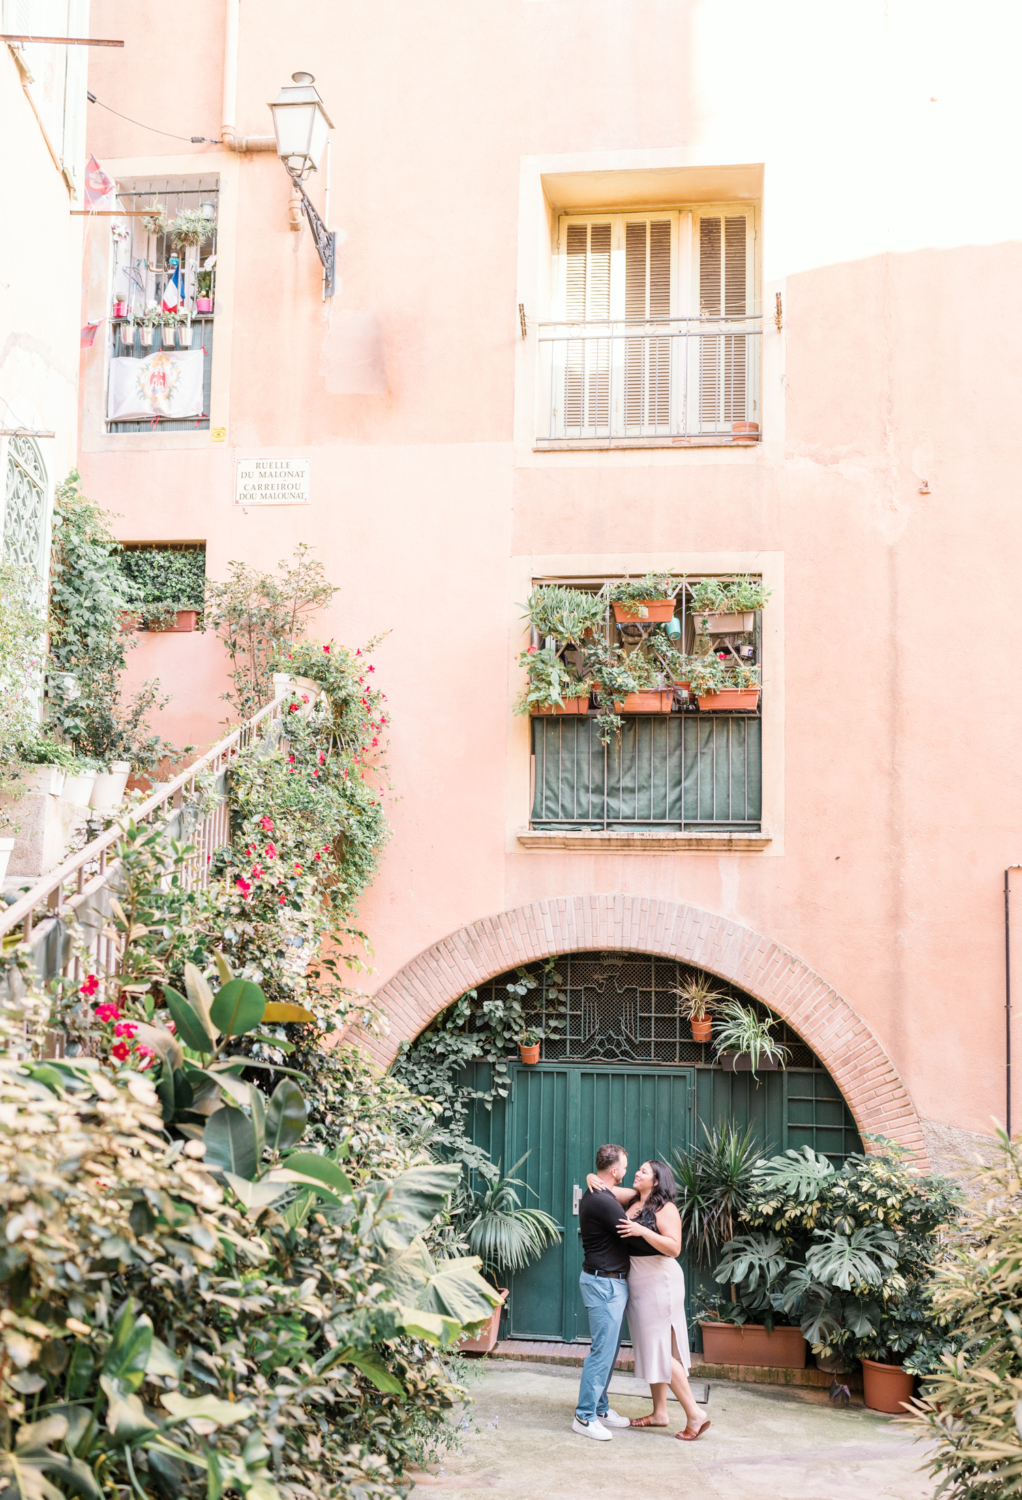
(324, 239)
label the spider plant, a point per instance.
(697, 996)
(715, 1184)
(505, 1236)
(741, 1030)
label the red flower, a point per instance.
(305, 697)
(125, 1028)
(298, 868)
(326, 848)
(121, 1051)
(295, 708)
(375, 741)
(243, 886)
(315, 772)
(531, 650)
(107, 1012)
(90, 986)
(266, 824)
(372, 669)
(148, 1057)
(317, 856)
(251, 850)
(270, 851)
(257, 872)
(327, 650)
(322, 758)
(282, 898)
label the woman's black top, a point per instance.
(637, 1246)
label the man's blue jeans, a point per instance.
(606, 1299)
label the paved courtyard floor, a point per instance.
(766, 1443)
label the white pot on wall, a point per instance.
(78, 788)
(108, 789)
(44, 779)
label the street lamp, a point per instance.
(301, 126)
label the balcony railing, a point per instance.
(671, 771)
(677, 379)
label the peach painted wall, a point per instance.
(888, 228)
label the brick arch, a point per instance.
(869, 1081)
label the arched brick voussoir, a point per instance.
(840, 1037)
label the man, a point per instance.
(604, 1285)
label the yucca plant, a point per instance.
(742, 1031)
(715, 1185)
(505, 1235)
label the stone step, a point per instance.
(573, 1354)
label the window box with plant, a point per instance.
(647, 600)
(726, 607)
(552, 687)
(723, 683)
(169, 585)
(745, 1041)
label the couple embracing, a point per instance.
(631, 1238)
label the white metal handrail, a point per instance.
(638, 378)
(85, 879)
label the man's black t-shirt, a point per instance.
(603, 1248)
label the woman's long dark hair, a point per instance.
(663, 1191)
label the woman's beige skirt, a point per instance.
(656, 1316)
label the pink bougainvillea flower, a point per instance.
(298, 868)
(243, 886)
(290, 757)
(315, 772)
(358, 652)
(322, 758)
(372, 669)
(270, 851)
(125, 1028)
(326, 650)
(326, 848)
(317, 856)
(375, 741)
(266, 824)
(121, 1051)
(257, 872)
(107, 1012)
(305, 697)
(90, 986)
(282, 898)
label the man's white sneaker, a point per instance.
(613, 1419)
(591, 1430)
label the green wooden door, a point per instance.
(560, 1115)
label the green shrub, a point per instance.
(164, 580)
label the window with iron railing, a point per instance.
(659, 330)
(694, 764)
(155, 271)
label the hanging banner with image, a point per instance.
(163, 385)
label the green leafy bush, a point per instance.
(732, 596)
(164, 580)
(567, 614)
(551, 680)
(635, 591)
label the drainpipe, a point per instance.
(1007, 999)
(229, 136)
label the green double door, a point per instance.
(560, 1115)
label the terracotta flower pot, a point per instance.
(571, 706)
(726, 1344)
(184, 620)
(886, 1387)
(529, 1055)
(709, 623)
(701, 1030)
(729, 699)
(657, 610)
(487, 1337)
(646, 703)
(744, 433)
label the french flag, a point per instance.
(173, 295)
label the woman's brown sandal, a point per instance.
(690, 1437)
(646, 1422)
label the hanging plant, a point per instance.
(155, 221)
(190, 227)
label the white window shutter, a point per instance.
(723, 293)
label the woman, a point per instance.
(651, 1230)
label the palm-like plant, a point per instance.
(697, 996)
(505, 1235)
(715, 1184)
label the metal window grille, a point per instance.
(25, 506)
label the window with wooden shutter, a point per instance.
(657, 327)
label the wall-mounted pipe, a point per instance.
(228, 131)
(1007, 998)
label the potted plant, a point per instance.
(742, 1034)
(726, 608)
(697, 998)
(154, 221)
(44, 765)
(127, 332)
(147, 321)
(204, 286)
(80, 780)
(529, 1044)
(505, 1236)
(569, 615)
(183, 319)
(632, 682)
(168, 329)
(169, 585)
(723, 683)
(120, 308)
(190, 227)
(552, 687)
(645, 599)
(108, 788)
(886, 1387)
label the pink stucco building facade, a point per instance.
(865, 469)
